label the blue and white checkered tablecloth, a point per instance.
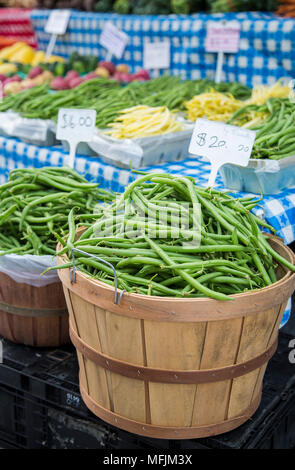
(266, 45)
(279, 210)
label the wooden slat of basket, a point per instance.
(220, 350)
(173, 348)
(255, 337)
(125, 342)
(85, 317)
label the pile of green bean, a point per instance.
(108, 98)
(34, 208)
(41, 102)
(233, 255)
(275, 137)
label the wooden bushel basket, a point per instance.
(34, 316)
(174, 368)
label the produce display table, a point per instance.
(279, 209)
(265, 54)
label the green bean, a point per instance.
(194, 283)
(231, 254)
(34, 212)
(6, 214)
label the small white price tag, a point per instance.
(57, 22)
(156, 55)
(222, 37)
(114, 40)
(221, 143)
(74, 126)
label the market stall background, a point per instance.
(265, 54)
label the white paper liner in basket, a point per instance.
(27, 269)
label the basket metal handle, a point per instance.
(117, 299)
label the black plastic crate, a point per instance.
(41, 407)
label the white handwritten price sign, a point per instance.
(74, 126)
(222, 37)
(156, 55)
(221, 144)
(57, 23)
(114, 40)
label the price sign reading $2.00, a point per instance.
(221, 143)
(74, 126)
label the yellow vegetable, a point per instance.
(254, 118)
(26, 82)
(212, 105)
(7, 52)
(261, 93)
(54, 58)
(25, 55)
(42, 78)
(102, 72)
(46, 75)
(144, 121)
(12, 87)
(39, 58)
(8, 68)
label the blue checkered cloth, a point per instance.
(279, 210)
(265, 55)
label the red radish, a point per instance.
(59, 83)
(34, 72)
(75, 82)
(126, 77)
(142, 74)
(139, 79)
(71, 74)
(117, 76)
(2, 77)
(107, 65)
(90, 76)
(15, 78)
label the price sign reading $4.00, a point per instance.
(221, 144)
(74, 126)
